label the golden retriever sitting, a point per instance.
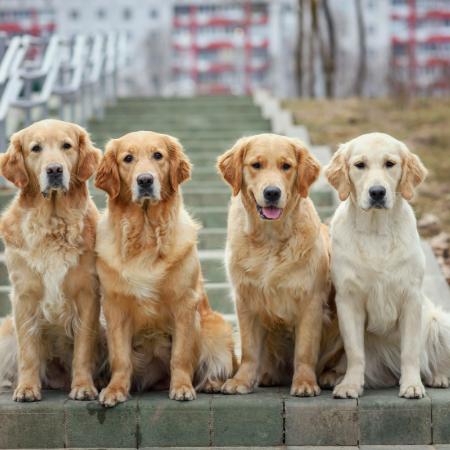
(49, 233)
(277, 259)
(160, 327)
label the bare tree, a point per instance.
(299, 52)
(329, 60)
(312, 39)
(361, 75)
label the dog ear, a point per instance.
(308, 168)
(413, 173)
(337, 172)
(180, 167)
(12, 164)
(107, 178)
(230, 164)
(89, 156)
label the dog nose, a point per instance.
(272, 194)
(377, 193)
(145, 180)
(55, 170)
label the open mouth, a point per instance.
(268, 212)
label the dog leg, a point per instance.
(410, 324)
(251, 341)
(119, 334)
(86, 336)
(184, 354)
(307, 345)
(29, 384)
(352, 320)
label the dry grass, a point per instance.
(423, 124)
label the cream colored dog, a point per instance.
(49, 233)
(392, 333)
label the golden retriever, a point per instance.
(160, 327)
(392, 333)
(49, 233)
(277, 260)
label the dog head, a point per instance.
(143, 166)
(49, 154)
(270, 170)
(376, 168)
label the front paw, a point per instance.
(348, 390)
(438, 381)
(83, 392)
(304, 388)
(412, 390)
(214, 385)
(110, 396)
(25, 393)
(184, 392)
(235, 386)
(329, 379)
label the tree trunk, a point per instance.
(299, 53)
(330, 60)
(361, 75)
(312, 39)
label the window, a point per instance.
(101, 14)
(127, 14)
(74, 14)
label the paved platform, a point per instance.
(269, 417)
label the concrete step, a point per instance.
(214, 100)
(212, 238)
(269, 417)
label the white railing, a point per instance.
(81, 71)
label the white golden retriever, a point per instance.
(392, 333)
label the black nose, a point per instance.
(377, 193)
(145, 180)
(55, 170)
(272, 194)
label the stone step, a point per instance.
(212, 238)
(220, 299)
(269, 417)
(214, 100)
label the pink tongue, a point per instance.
(271, 212)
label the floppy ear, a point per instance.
(337, 172)
(231, 162)
(413, 173)
(308, 168)
(180, 167)
(12, 165)
(89, 156)
(107, 178)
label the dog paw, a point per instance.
(305, 389)
(233, 386)
(266, 381)
(182, 393)
(212, 386)
(110, 396)
(438, 381)
(83, 392)
(412, 390)
(348, 391)
(25, 393)
(328, 380)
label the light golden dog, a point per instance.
(160, 326)
(277, 259)
(49, 233)
(392, 333)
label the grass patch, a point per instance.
(423, 124)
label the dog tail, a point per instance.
(217, 358)
(436, 344)
(8, 353)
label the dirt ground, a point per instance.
(423, 124)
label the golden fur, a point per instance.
(160, 327)
(49, 234)
(278, 269)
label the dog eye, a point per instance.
(158, 156)
(360, 165)
(36, 149)
(128, 158)
(390, 164)
(286, 166)
(256, 166)
(67, 146)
